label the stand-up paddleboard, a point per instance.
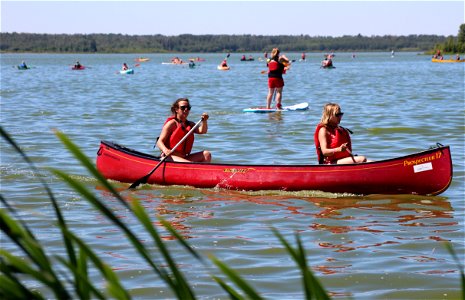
(296, 107)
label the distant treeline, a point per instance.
(452, 44)
(119, 43)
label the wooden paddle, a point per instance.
(146, 177)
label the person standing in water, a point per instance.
(277, 66)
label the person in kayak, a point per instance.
(332, 142)
(277, 66)
(23, 65)
(176, 127)
(327, 62)
(77, 65)
(125, 67)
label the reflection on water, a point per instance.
(180, 205)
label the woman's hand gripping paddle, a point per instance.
(146, 177)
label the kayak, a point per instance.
(223, 68)
(435, 60)
(23, 68)
(262, 109)
(80, 68)
(142, 59)
(128, 71)
(328, 67)
(170, 63)
(427, 172)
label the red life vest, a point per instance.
(276, 69)
(338, 136)
(180, 131)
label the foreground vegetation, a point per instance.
(73, 280)
(39, 266)
(118, 43)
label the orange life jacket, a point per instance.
(338, 136)
(186, 147)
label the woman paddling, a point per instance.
(332, 142)
(176, 127)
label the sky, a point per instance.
(313, 18)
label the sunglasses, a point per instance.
(185, 107)
(340, 114)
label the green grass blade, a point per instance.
(459, 266)
(114, 286)
(180, 239)
(311, 284)
(233, 294)
(12, 288)
(78, 154)
(241, 283)
(179, 284)
(61, 220)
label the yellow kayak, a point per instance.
(435, 60)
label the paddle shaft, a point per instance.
(146, 177)
(351, 155)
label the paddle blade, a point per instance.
(140, 181)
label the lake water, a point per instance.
(361, 247)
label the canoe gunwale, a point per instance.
(143, 155)
(428, 172)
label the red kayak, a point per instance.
(425, 173)
(78, 68)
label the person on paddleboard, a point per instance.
(277, 66)
(332, 142)
(175, 128)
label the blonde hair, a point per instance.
(329, 110)
(275, 54)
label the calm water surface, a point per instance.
(361, 247)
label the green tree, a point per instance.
(461, 39)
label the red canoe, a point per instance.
(424, 173)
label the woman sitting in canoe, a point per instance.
(175, 128)
(333, 144)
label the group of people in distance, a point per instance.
(438, 55)
(332, 141)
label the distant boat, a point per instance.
(78, 68)
(128, 71)
(436, 60)
(142, 59)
